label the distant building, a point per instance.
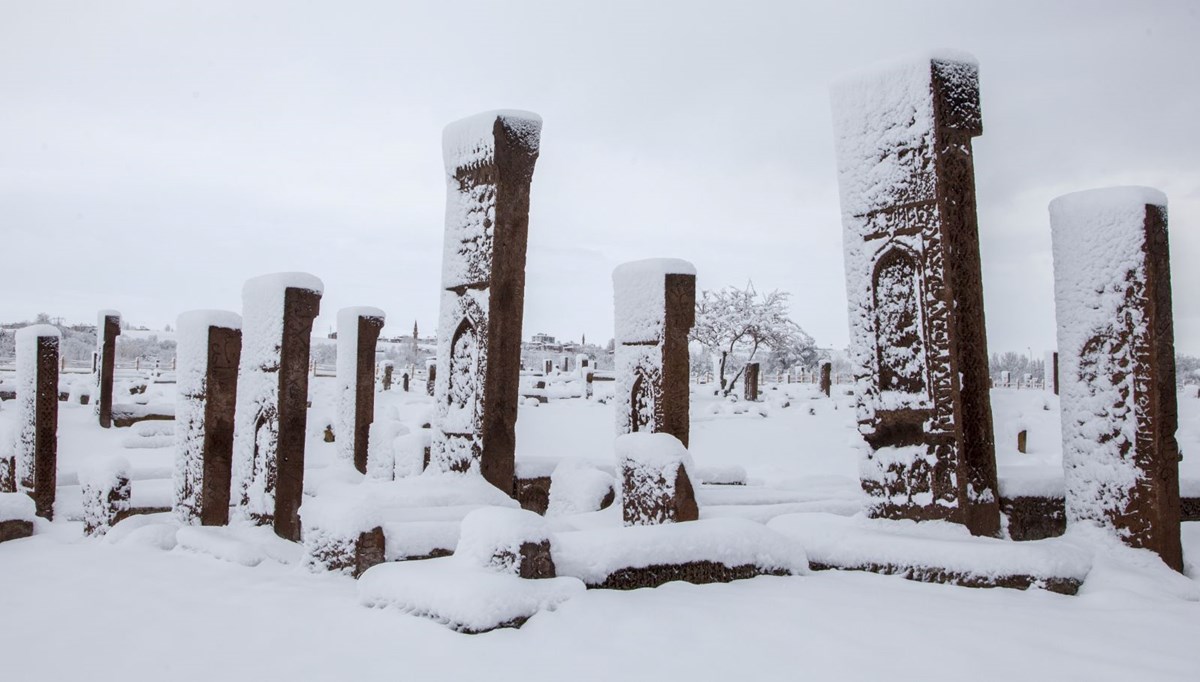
(543, 339)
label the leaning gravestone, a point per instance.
(655, 308)
(358, 332)
(37, 415)
(489, 166)
(1117, 345)
(209, 348)
(272, 398)
(108, 328)
(918, 343)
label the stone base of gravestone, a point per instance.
(533, 560)
(105, 504)
(533, 494)
(650, 497)
(8, 474)
(15, 530)
(1034, 518)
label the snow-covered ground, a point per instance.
(123, 608)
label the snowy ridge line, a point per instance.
(936, 552)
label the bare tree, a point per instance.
(734, 324)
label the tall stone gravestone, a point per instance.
(750, 381)
(108, 328)
(826, 379)
(358, 332)
(36, 442)
(431, 377)
(1051, 372)
(272, 398)
(1112, 291)
(655, 306)
(918, 343)
(489, 167)
(206, 369)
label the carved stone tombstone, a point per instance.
(358, 333)
(388, 368)
(272, 398)
(826, 384)
(489, 166)
(1051, 372)
(918, 342)
(207, 355)
(108, 328)
(750, 381)
(655, 308)
(36, 442)
(1117, 344)
(431, 377)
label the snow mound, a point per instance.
(220, 544)
(491, 537)
(594, 555)
(465, 598)
(858, 542)
(577, 488)
(17, 507)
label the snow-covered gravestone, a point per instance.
(430, 377)
(547, 366)
(1050, 383)
(1112, 291)
(656, 486)
(489, 167)
(108, 328)
(655, 308)
(209, 349)
(826, 384)
(750, 381)
(36, 444)
(358, 332)
(272, 398)
(918, 343)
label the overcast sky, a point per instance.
(153, 156)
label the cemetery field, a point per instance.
(149, 601)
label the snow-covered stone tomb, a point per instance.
(272, 399)
(358, 332)
(489, 161)
(1116, 338)
(207, 356)
(918, 344)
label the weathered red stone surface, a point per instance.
(301, 307)
(108, 329)
(751, 381)
(918, 338)
(225, 350)
(489, 163)
(1116, 336)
